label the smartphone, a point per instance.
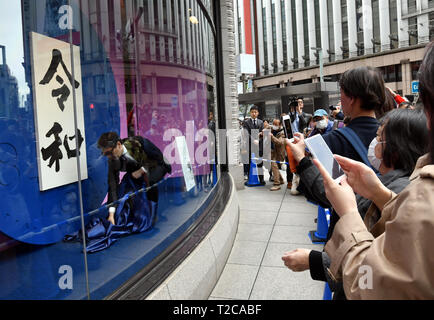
(287, 127)
(320, 150)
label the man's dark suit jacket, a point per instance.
(125, 163)
(249, 126)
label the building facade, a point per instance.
(293, 35)
(71, 70)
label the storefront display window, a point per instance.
(106, 103)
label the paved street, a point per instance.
(271, 223)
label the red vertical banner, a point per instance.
(248, 27)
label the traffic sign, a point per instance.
(414, 87)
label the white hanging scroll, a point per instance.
(54, 112)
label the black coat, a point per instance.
(249, 126)
(155, 164)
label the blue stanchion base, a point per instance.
(314, 237)
(247, 184)
(327, 293)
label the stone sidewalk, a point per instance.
(270, 224)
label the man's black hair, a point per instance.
(254, 108)
(108, 140)
(293, 103)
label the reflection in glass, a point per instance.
(146, 70)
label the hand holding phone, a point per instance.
(297, 146)
(287, 127)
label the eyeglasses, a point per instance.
(107, 152)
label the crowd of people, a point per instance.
(381, 213)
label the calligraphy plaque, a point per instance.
(54, 83)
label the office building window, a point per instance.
(376, 26)
(331, 30)
(264, 32)
(285, 44)
(345, 46)
(294, 35)
(412, 31)
(415, 69)
(393, 16)
(273, 28)
(412, 6)
(431, 25)
(317, 26)
(306, 34)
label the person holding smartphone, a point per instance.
(362, 94)
(398, 254)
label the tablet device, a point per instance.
(287, 127)
(320, 150)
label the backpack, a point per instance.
(357, 144)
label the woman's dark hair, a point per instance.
(426, 89)
(367, 84)
(406, 136)
(389, 104)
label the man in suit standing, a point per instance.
(257, 125)
(298, 117)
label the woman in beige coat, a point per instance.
(398, 263)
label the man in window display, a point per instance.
(135, 155)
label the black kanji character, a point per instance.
(73, 153)
(53, 151)
(63, 91)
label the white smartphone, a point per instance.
(320, 150)
(287, 127)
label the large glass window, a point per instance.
(344, 15)
(284, 41)
(104, 104)
(317, 27)
(264, 32)
(306, 34)
(412, 6)
(412, 31)
(294, 35)
(332, 53)
(376, 25)
(431, 26)
(393, 16)
(273, 28)
(360, 39)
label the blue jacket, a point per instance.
(326, 130)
